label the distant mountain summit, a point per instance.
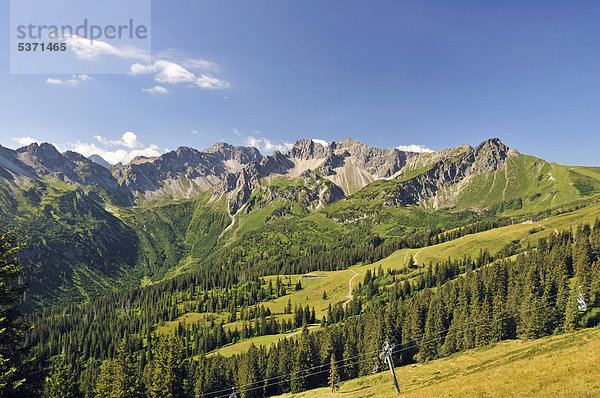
(99, 160)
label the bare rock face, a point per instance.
(308, 149)
(450, 170)
(240, 154)
(45, 161)
(184, 172)
(381, 163)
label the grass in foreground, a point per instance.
(557, 366)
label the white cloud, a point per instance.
(53, 81)
(198, 63)
(132, 147)
(169, 67)
(24, 141)
(196, 132)
(211, 83)
(237, 132)
(128, 139)
(267, 146)
(178, 57)
(75, 80)
(319, 141)
(155, 90)
(168, 72)
(414, 148)
(91, 50)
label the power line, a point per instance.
(456, 331)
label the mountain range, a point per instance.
(91, 228)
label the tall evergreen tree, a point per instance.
(62, 382)
(126, 375)
(334, 376)
(169, 369)
(302, 362)
(12, 325)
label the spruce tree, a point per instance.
(169, 369)
(302, 362)
(572, 314)
(104, 384)
(126, 375)
(12, 325)
(334, 376)
(62, 382)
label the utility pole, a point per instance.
(386, 355)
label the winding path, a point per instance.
(350, 296)
(415, 256)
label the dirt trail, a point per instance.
(350, 296)
(415, 256)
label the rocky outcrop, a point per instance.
(45, 161)
(240, 154)
(184, 172)
(450, 170)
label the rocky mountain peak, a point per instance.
(44, 153)
(241, 154)
(307, 149)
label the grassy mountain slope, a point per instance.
(553, 366)
(524, 184)
(76, 250)
(336, 283)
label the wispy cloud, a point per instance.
(168, 72)
(414, 148)
(75, 80)
(24, 141)
(167, 67)
(267, 146)
(155, 90)
(87, 50)
(114, 151)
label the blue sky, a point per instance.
(388, 73)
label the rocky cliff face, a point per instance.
(184, 172)
(37, 161)
(451, 169)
